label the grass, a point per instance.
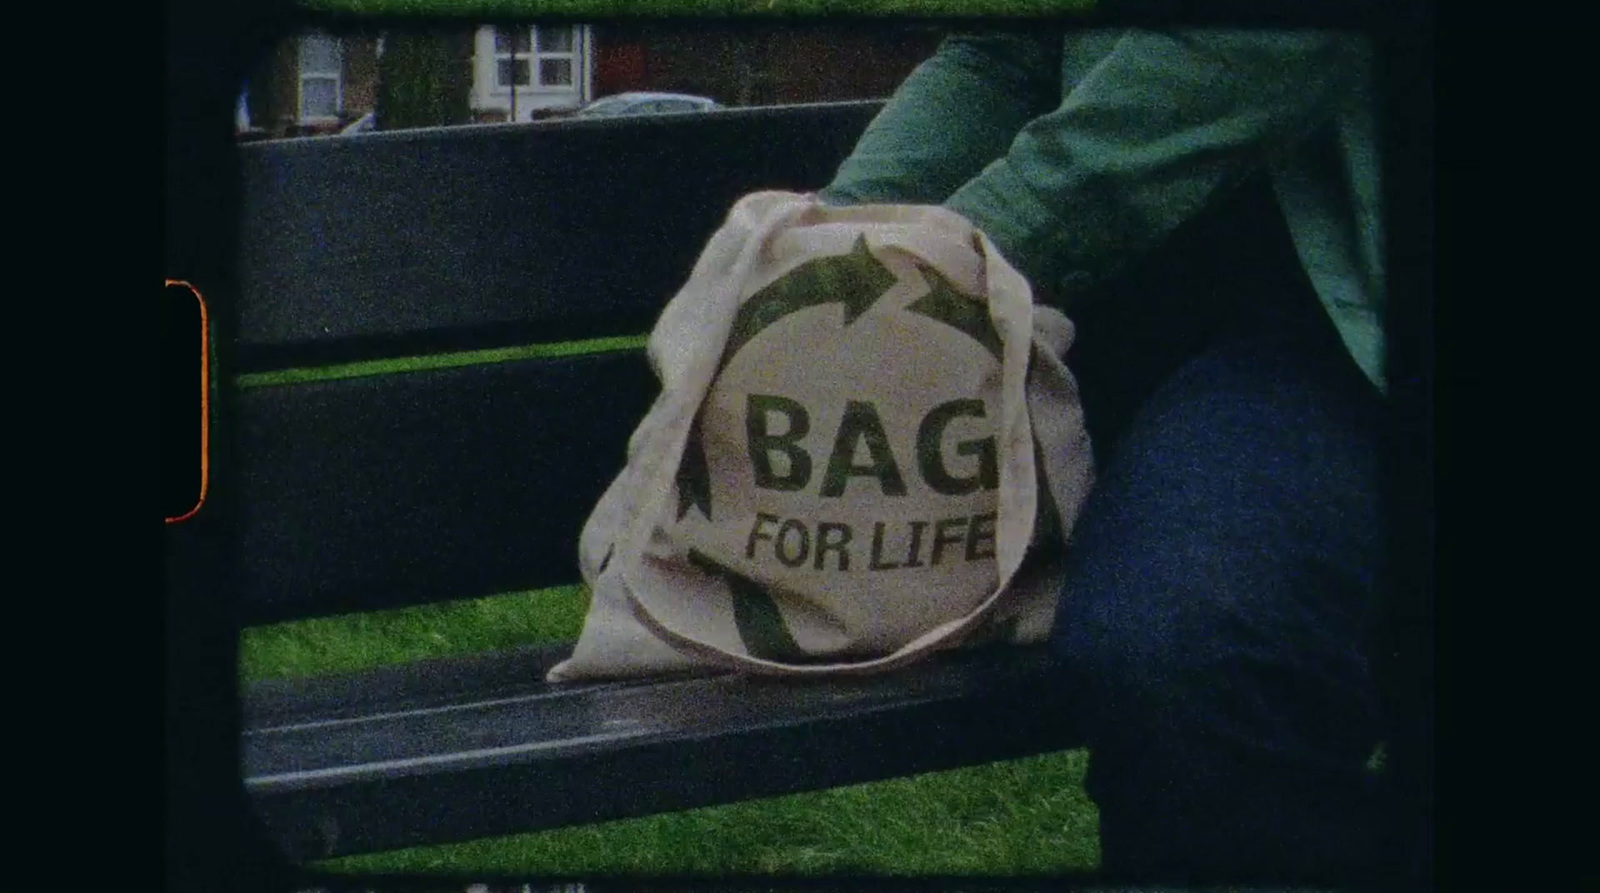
(1020, 817)
(1026, 816)
(353, 642)
(440, 361)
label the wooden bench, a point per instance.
(425, 243)
(360, 490)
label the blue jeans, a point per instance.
(1216, 633)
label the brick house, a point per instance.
(319, 83)
(760, 64)
(314, 83)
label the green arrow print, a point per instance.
(755, 615)
(855, 280)
(961, 312)
(694, 476)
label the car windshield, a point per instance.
(606, 107)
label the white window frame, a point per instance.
(336, 74)
(488, 95)
(535, 56)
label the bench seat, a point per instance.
(455, 749)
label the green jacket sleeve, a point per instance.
(953, 115)
(1145, 140)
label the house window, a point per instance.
(321, 87)
(534, 57)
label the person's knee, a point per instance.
(1139, 660)
(1262, 657)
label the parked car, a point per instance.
(639, 103)
(645, 104)
(365, 124)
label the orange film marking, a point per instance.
(205, 402)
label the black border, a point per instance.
(211, 841)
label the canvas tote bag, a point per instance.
(867, 447)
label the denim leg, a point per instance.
(1215, 631)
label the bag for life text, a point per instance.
(867, 447)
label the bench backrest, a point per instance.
(472, 257)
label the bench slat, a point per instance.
(469, 237)
(383, 491)
(402, 761)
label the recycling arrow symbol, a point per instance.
(945, 304)
(694, 476)
(854, 280)
(755, 615)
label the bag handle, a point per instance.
(1011, 309)
(945, 635)
(679, 352)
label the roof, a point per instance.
(646, 94)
